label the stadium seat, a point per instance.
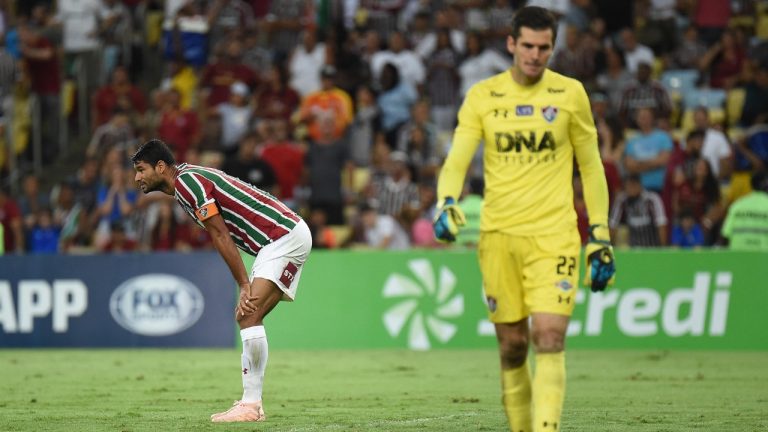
(679, 81)
(340, 233)
(706, 97)
(734, 103)
(716, 116)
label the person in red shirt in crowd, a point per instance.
(119, 93)
(275, 99)
(286, 158)
(10, 219)
(42, 66)
(219, 76)
(168, 234)
(178, 127)
(118, 241)
(724, 61)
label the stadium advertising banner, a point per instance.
(131, 300)
(433, 299)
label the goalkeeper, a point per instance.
(532, 122)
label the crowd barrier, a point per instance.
(662, 299)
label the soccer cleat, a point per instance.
(241, 412)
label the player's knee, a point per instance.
(250, 319)
(513, 351)
(548, 340)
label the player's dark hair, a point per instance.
(535, 18)
(152, 152)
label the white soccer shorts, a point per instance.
(282, 261)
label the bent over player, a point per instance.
(237, 215)
(533, 122)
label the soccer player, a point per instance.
(237, 215)
(533, 122)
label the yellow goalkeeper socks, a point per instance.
(548, 391)
(516, 398)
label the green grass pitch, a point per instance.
(373, 390)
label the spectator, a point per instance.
(44, 235)
(178, 127)
(283, 24)
(322, 235)
(66, 212)
(751, 157)
(274, 99)
(420, 147)
(167, 233)
(443, 83)
(499, 13)
(235, 117)
(647, 154)
(716, 147)
(687, 233)
(118, 241)
(116, 133)
(407, 63)
(395, 101)
(480, 63)
(745, 225)
(381, 231)
(219, 76)
(395, 192)
(642, 212)
(286, 158)
(45, 82)
(326, 160)
(634, 52)
(248, 167)
(11, 219)
(711, 18)
(31, 201)
(364, 127)
(115, 203)
(114, 30)
(575, 59)
(79, 19)
(724, 62)
(306, 63)
(121, 94)
(756, 98)
(615, 78)
(697, 191)
(331, 103)
(644, 93)
(456, 38)
(688, 53)
(471, 204)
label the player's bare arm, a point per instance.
(227, 249)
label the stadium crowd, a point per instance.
(344, 109)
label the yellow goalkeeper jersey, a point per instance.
(531, 135)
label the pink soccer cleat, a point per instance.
(241, 412)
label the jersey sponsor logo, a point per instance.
(289, 273)
(524, 110)
(156, 304)
(555, 90)
(515, 141)
(494, 94)
(549, 112)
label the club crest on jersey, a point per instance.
(549, 112)
(203, 212)
(524, 110)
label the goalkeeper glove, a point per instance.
(448, 220)
(599, 256)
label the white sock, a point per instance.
(254, 361)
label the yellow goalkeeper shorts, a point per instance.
(524, 275)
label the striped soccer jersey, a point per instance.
(254, 217)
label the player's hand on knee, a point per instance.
(601, 265)
(247, 304)
(448, 220)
